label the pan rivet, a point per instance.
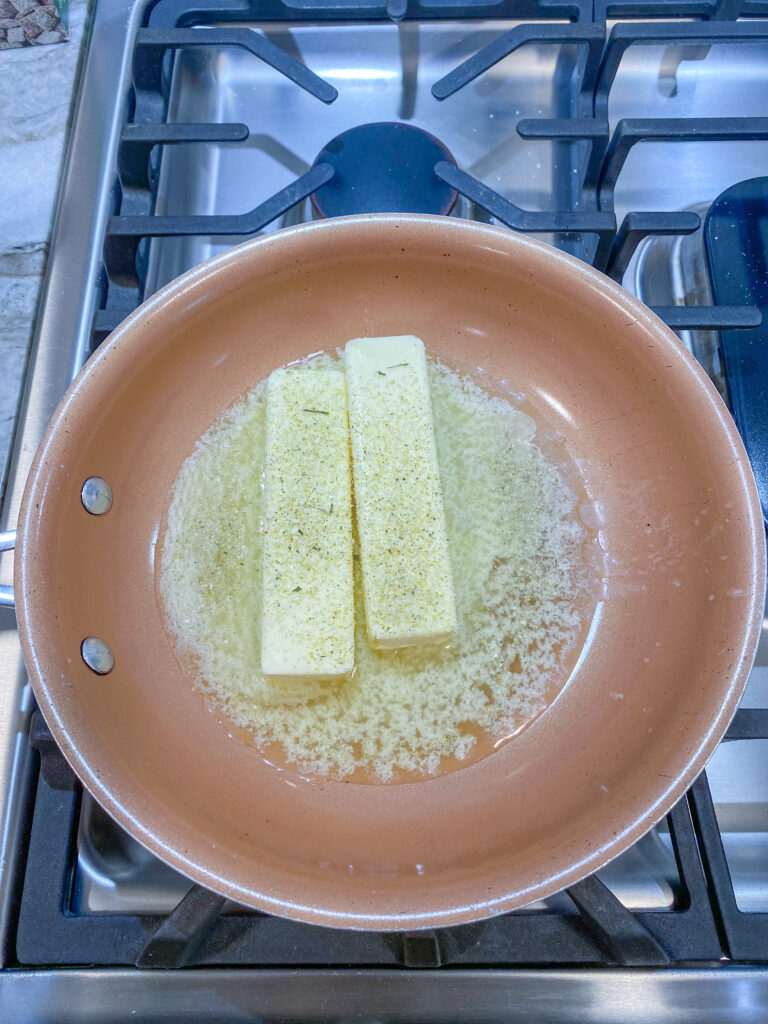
(96, 496)
(97, 656)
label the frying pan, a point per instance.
(654, 687)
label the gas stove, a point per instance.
(201, 125)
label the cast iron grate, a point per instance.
(704, 925)
(583, 222)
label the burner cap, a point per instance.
(384, 168)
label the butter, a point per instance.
(406, 569)
(308, 616)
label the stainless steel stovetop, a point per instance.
(383, 72)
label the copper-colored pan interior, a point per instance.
(675, 634)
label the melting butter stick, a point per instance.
(407, 585)
(308, 616)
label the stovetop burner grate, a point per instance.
(704, 924)
(583, 222)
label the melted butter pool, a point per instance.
(524, 575)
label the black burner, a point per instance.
(384, 168)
